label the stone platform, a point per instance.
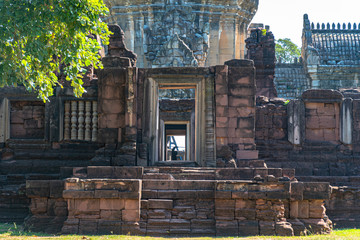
(172, 201)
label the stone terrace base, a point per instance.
(152, 204)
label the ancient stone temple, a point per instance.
(330, 59)
(183, 33)
(105, 163)
(156, 149)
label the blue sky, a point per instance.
(285, 17)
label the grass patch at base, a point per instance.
(15, 232)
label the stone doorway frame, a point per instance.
(204, 114)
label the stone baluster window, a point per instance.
(80, 120)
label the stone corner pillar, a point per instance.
(346, 121)
(4, 119)
(296, 121)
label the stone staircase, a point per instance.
(23, 160)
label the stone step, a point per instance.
(177, 163)
(39, 165)
(14, 180)
(34, 146)
(53, 155)
(333, 180)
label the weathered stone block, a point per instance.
(248, 228)
(38, 188)
(160, 204)
(78, 194)
(267, 228)
(112, 204)
(303, 211)
(109, 227)
(227, 228)
(130, 215)
(111, 214)
(284, 229)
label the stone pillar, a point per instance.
(261, 49)
(346, 121)
(296, 121)
(235, 110)
(4, 120)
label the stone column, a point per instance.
(346, 121)
(296, 122)
(4, 120)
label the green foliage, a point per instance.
(40, 38)
(286, 50)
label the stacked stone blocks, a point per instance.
(153, 201)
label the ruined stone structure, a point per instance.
(101, 164)
(261, 49)
(183, 33)
(330, 60)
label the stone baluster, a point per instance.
(73, 119)
(67, 121)
(81, 121)
(94, 121)
(87, 121)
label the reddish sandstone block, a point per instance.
(328, 109)
(225, 214)
(222, 132)
(244, 155)
(241, 91)
(84, 205)
(39, 205)
(78, 194)
(303, 211)
(245, 122)
(222, 111)
(221, 89)
(244, 81)
(312, 122)
(312, 105)
(231, 132)
(111, 214)
(130, 215)
(160, 204)
(225, 203)
(132, 204)
(330, 135)
(221, 142)
(327, 122)
(233, 122)
(221, 100)
(240, 102)
(112, 106)
(112, 204)
(316, 209)
(315, 134)
(227, 228)
(115, 120)
(222, 122)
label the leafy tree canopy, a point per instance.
(38, 37)
(286, 50)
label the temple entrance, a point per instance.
(177, 122)
(176, 142)
(178, 118)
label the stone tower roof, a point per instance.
(183, 33)
(336, 44)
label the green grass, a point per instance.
(14, 232)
